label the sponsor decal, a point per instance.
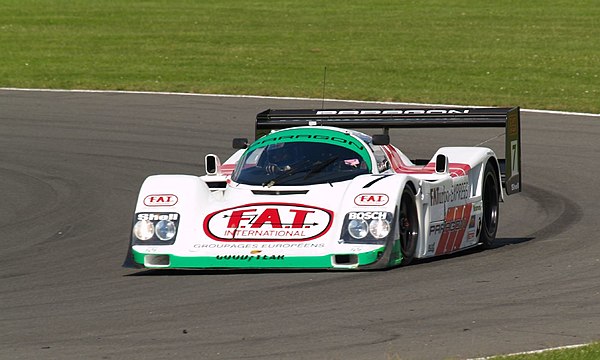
(371, 199)
(436, 227)
(339, 140)
(352, 162)
(295, 246)
(442, 226)
(158, 217)
(439, 195)
(513, 153)
(268, 222)
(345, 141)
(455, 226)
(250, 257)
(513, 123)
(160, 200)
(233, 245)
(367, 215)
(472, 222)
(430, 248)
(392, 112)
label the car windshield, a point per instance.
(298, 163)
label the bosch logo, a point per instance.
(367, 215)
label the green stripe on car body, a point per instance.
(255, 261)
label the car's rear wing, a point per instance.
(385, 119)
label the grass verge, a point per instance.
(537, 54)
(587, 352)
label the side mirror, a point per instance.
(381, 139)
(212, 164)
(441, 164)
(240, 143)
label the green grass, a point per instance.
(589, 352)
(536, 54)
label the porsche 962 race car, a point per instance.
(313, 192)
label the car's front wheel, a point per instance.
(408, 223)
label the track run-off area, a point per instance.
(71, 166)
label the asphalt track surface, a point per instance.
(70, 169)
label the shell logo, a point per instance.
(268, 222)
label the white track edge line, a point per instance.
(534, 351)
(283, 98)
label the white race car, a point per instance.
(312, 192)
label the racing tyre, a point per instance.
(491, 206)
(408, 222)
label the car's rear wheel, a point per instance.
(408, 223)
(491, 206)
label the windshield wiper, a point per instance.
(293, 169)
(319, 166)
(301, 167)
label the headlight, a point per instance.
(165, 230)
(379, 228)
(143, 230)
(155, 228)
(358, 228)
(367, 227)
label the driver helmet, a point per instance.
(281, 154)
